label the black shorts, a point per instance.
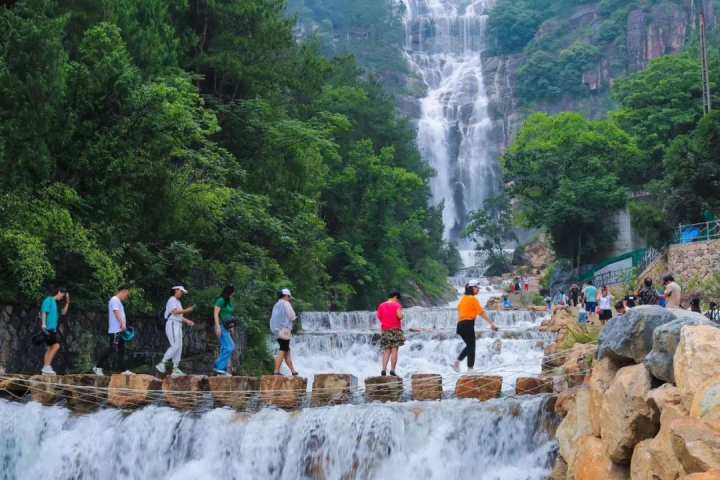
(605, 314)
(51, 338)
(284, 344)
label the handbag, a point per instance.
(284, 334)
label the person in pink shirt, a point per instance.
(390, 315)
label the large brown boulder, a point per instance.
(427, 386)
(706, 401)
(46, 389)
(85, 393)
(133, 391)
(578, 363)
(576, 424)
(696, 444)
(283, 392)
(559, 471)
(332, 389)
(592, 463)
(561, 319)
(641, 465)
(711, 475)
(383, 389)
(697, 358)
(565, 401)
(655, 459)
(603, 373)
(233, 392)
(14, 386)
(480, 387)
(533, 386)
(184, 393)
(627, 417)
(665, 395)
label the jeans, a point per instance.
(227, 347)
(466, 330)
(115, 351)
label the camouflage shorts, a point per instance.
(392, 339)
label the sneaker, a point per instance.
(383, 373)
(160, 367)
(98, 371)
(392, 373)
(177, 373)
(128, 372)
(456, 366)
(47, 370)
(221, 373)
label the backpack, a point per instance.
(161, 318)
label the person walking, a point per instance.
(574, 295)
(605, 305)
(620, 309)
(647, 294)
(673, 292)
(714, 313)
(174, 320)
(469, 309)
(117, 324)
(516, 283)
(49, 322)
(390, 314)
(590, 294)
(282, 320)
(695, 302)
(223, 314)
(526, 284)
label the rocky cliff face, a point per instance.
(661, 29)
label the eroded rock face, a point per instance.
(46, 389)
(665, 395)
(427, 386)
(332, 389)
(603, 373)
(132, 391)
(383, 389)
(565, 401)
(283, 392)
(233, 392)
(654, 459)
(630, 337)
(480, 387)
(533, 386)
(665, 341)
(697, 358)
(592, 463)
(575, 425)
(183, 392)
(627, 417)
(706, 401)
(85, 393)
(696, 444)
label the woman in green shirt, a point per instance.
(224, 323)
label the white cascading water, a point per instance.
(444, 43)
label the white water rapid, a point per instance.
(444, 44)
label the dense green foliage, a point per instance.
(153, 142)
(490, 228)
(563, 171)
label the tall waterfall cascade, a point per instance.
(445, 40)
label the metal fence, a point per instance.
(698, 232)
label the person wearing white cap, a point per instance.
(174, 320)
(281, 324)
(470, 309)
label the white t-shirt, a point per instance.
(173, 304)
(605, 303)
(113, 323)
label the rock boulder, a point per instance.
(575, 425)
(533, 386)
(184, 393)
(332, 389)
(592, 463)
(697, 358)
(283, 392)
(696, 444)
(627, 417)
(46, 389)
(14, 386)
(603, 373)
(480, 387)
(383, 389)
(132, 391)
(233, 392)
(630, 337)
(706, 401)
(85, 393)
(665, 341)
(711, 475)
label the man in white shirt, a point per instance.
(117, 324)
(174, 320)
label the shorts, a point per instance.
(51, 338)
(284, 344)
(590, 307)
(605, 315)
(392, 339)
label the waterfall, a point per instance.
(444, 43)
(497, 440)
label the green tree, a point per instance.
(491, 228)
(562, 171)
(513, 24)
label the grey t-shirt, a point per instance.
(113, 324)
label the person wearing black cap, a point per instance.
(174, 320)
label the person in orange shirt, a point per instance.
(469, 309)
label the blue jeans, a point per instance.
(227, 347)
